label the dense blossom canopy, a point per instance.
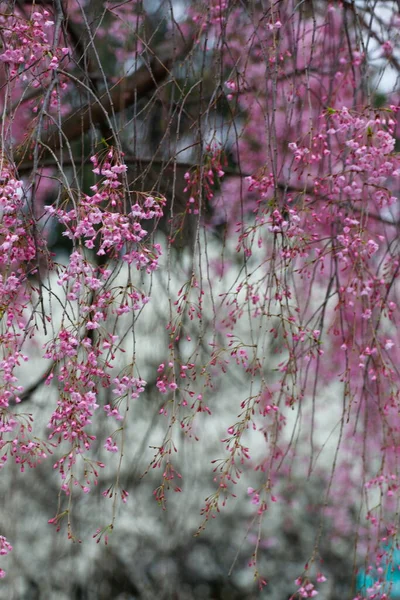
(242, 157)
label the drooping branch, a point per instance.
(126, 92)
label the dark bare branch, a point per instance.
(127, 91)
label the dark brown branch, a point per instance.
(127, 91)
(229, 172)
(27, 165)
(27, 393)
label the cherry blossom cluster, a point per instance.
(17, 260)
(126, 389)
(84, 352)
(323, 203)
(182, 384)
(307, 588)
(5, 548)
(16, 246)
(313, 237)
(28, 45)
(211, 16)
(228, 471)
(99, 223)
(201, 181)
(81, 370)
